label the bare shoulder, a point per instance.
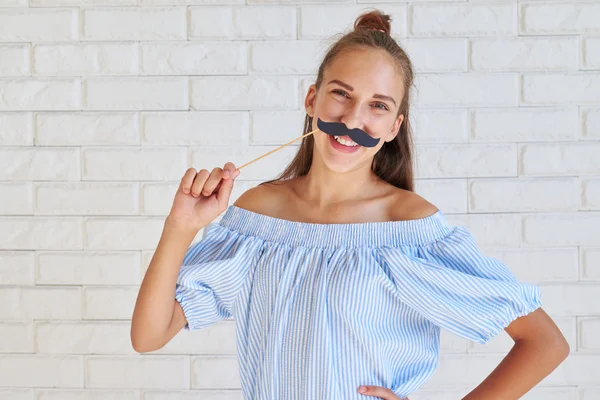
(260, 199)
(409, 205)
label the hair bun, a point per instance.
(373, 20)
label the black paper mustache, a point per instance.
(339, 129)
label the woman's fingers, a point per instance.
(205, 183)
(213, 180)
(199, 182)
(228, 170)
(380, 392)
(188, 180)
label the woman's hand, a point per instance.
(202, 196)
(380, 392)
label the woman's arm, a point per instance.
(156, 308)
(539, 348)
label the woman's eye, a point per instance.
(340, 92)
(381, 106)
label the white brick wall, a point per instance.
(105, 103)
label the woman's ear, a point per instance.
(309, 101)
(395, 128)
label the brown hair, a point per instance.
(393, 162)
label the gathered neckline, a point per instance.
(421, 231)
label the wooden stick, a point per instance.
(274, 150)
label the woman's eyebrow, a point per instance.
(350, 88)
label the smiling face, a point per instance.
(363, 89)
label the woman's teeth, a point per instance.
(345, 142)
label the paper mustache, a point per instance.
(330, 128)
(339, 129)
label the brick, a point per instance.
(589, 329)
(570, 300)
(299, 2)
(561, 88)
(524, 124)
(590, 264)
(86, 198)
(16, 129)
(451, 343)
(188, 2)
(40, 94)
(591, 53)
(109, 302)
(590, 393)
(225, 394)
(579, 369)
(133, 164)
(304, 83)
(522, 54)
(158, 198)
(466, 90)
(78, 3)
(562, 229)
(17, 337)
(216, 372)
(245, 23)
(524, 195)
(16, 199)
(14, 60)
(38, 25)
(559, 159)
(285, 57)
(194, 58)
(30, 163)
(40, 303)
(591, 124)
(491, 230)
(88, 394)
(468, 160)
(276, 127)
(243, 93)
(211, 157)
(17, 267)
(133, 372)
(88, 268)
(590, 194)
(326, 21)
(38, 233)
(85, 59)
(104, 233)
(437, 55)
(439, 126)
(17, 394)
(133, 23)
(449, 195)
(32, 371)
(14, 3)
(86, 128)
(83, 338)
(463, 20)
(194, 128)
(168, 93)
(560, 18)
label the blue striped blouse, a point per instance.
(321, 309)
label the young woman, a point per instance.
(337, 274)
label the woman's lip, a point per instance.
(340, 147)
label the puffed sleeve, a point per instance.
(212, 274)
(453, 285)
